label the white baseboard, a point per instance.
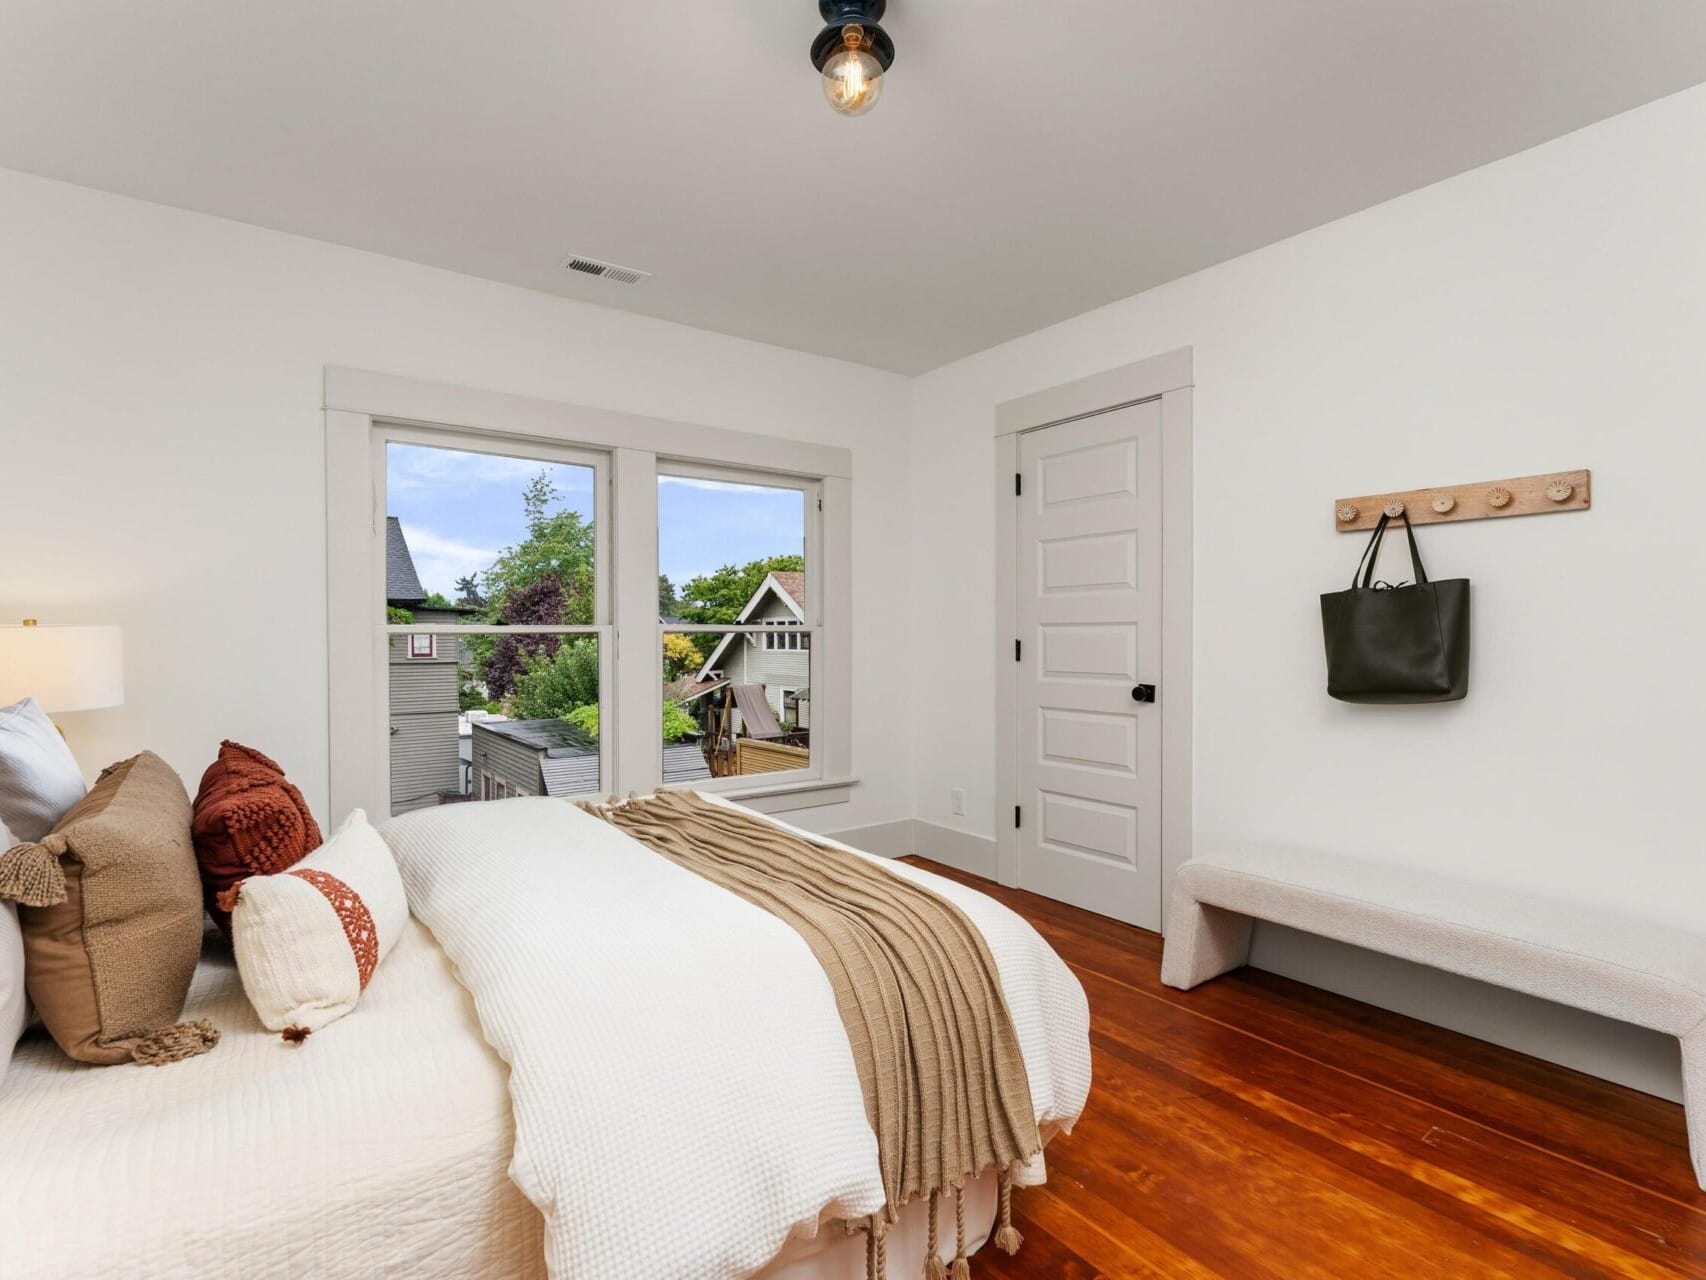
(885, 839)
(906, 837)
(960, 850)
(1615, 1051)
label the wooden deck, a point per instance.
(1259, 1127)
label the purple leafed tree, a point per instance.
(541, 603)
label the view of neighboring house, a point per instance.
(555, 758)
(426, 758)
(780, 660)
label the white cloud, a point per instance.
(440, 561)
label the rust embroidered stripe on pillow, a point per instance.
(308, 940)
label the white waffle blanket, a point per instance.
(674, 1050)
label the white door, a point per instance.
(1089, 614)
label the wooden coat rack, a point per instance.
(1488, 500)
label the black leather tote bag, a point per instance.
(1408, 643)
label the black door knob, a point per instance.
(1143, 693)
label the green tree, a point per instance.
(559, 542)
(551, 686)
(677, 723)
(470, 695)
(680, 656)
(436, 600)
(719, 597)
(468, 592)
(668, 602)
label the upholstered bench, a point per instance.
(1635, 970)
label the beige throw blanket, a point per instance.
(917, 990)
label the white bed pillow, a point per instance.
(39, 777)
(14, 1004)
(309, 939)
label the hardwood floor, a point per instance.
(1259, 1127)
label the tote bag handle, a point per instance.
(1371, 555)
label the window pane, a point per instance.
(733, 706)
(450, 742)
(484, 538)
(726, 550)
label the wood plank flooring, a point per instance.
(1259, 1127)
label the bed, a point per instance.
(387, 1146)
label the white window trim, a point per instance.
(432, 646)
(358, 655)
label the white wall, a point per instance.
(161, 452)
(1546, 312)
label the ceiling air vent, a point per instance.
(605, 270)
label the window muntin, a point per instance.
(495, 574)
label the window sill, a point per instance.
(783, 797)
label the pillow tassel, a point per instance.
(30, 875)
(174, 1044)
(295, 1035)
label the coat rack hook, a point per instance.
(1498, 496)
(1394, 509)
(1348, 512)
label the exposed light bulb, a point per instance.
(852, 78)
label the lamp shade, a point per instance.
(68, 668)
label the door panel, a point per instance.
(1089, 613)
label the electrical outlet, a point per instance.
(957, 801)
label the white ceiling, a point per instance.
(1028, 160)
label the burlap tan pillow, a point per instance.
(110, 904)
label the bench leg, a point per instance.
(1694, 1098)
(1204, 942)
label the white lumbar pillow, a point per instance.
(14, 1004)
(39, 777)
(309, 939)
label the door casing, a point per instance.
(1168, 378)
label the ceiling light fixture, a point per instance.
(852, 52)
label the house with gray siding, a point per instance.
(425, 680)
(778, 658)
(532, 758)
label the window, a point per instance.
(736, 551)
(516, 630)
(499, 551)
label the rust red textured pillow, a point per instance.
(249, 821)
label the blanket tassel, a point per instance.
(934, 1268)
(1007, 1237)
(876, 1247)
(961, 1270)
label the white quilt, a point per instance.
(674, 1050)
(378, 1150)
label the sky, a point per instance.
(459, 510)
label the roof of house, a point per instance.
(688, 689)
(556, 738)
(792, 583)
(574, 775)
(402, 584)
(684, 762)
